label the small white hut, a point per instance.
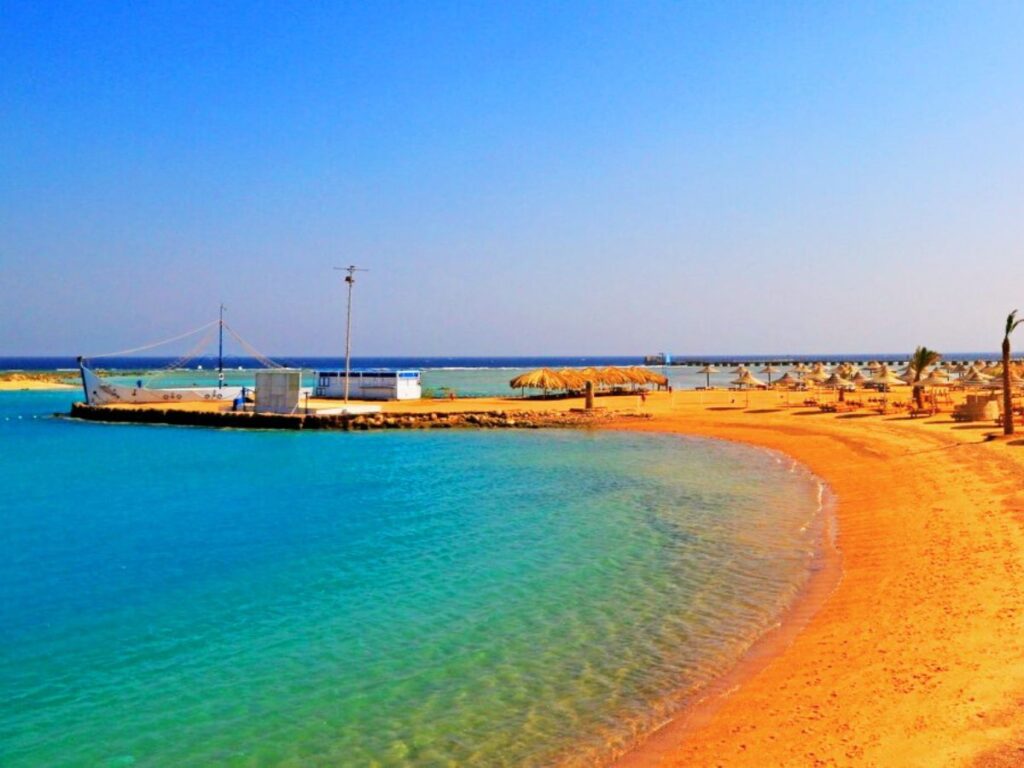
(278, 390)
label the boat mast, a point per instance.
(220, 351)
(350, 278)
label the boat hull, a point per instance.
(100, 392)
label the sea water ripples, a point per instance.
(180, 596)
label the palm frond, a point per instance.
(922, 358)
(1012, 322)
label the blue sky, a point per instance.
(520, 178)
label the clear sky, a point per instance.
(520, 178)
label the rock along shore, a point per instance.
(492, 419)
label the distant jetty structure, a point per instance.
(787, 361)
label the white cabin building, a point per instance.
(369, 385)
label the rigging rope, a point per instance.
(194, 352)
(204, 341)
(251, 349)
(156, 344)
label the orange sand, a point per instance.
(20, 384)
(917, 657)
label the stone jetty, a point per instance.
(468, 419)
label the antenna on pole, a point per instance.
(220, 351)
(350, 278)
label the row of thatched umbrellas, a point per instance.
(577, 378)
(847, 375)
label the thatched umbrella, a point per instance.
(886, 378)
(934, 379)
(614, 376)
(908, 375)
(707, 370)
(975, 377)
(573, 378)
(634, 374)
(787, 381)
(647, 376)
(991, 381)
(769, 369)
(747, 379)
(838, 383)
(852, 372)
(835, 381)
(542, 378)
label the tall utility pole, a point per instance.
(350, 278)
(220, 351)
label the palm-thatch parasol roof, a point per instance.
(934, 379)
(787, 380)
(542, 378)
(747, 379)
(647, 376)
(994, 382)
(634, 374)
(573, 378)
(614, 376)
(976, 376)
(836, 381)
(886, 377)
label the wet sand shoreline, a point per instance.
(914, 658)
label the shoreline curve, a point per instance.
(913, 658)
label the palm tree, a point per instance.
(1011, 323)
(919, 361)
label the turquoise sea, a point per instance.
(191, 597)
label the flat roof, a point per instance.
(341, 372)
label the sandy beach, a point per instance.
(915, 658)
(21, 382)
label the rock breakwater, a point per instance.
(490, 419)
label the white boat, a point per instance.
(100, 392)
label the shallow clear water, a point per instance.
(175, 596)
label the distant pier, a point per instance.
(783, 362)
